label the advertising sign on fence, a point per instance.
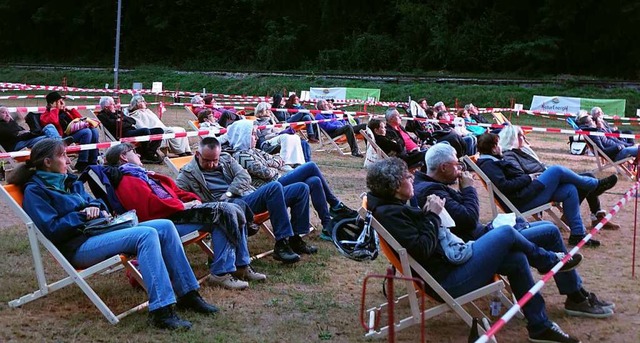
(563, 104)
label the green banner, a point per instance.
(611, 107)
(363, 94)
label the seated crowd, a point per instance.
(259, 170)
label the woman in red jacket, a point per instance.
(71, 123)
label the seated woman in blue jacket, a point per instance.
(527, 191)
(460, 267)
(339, 127)
(59, 206)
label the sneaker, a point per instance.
(282, 252)
(608, 226)
(326, 234)
(313, 141)
(571, 264)
(605, 184)
(193, 301)
(300, 247)
(593, 299)
(342, 210)
(357, 154)
(247, 273)
(166, 318)
(575, 239)
(226, 281)
(553, 334)
(586, 309)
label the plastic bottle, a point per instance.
(495, 307)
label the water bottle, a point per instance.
(495, 307)
(100, 159)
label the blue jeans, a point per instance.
(227, 256)
(627, 152)
(318, 188)
(561, 185)
(306, 150)
(162, 261)
(87, 136)
(499, 251)
(471, 144)
(49, 131)
(275, 198)
(547, 235)
(296, 117)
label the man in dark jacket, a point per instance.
(443, 170)
(613, 147)
(111, 117)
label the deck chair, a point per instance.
(193, 124)
(13, 196)
(106, 136)
(189, 110)
(500, 118)
(603, 161)
(333, 143)
(372, 146)
(406, 265)
(497, 199)
(260, 219)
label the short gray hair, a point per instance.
(320, 104)
(468, 106)
(438, 104)
(594, 110)
(196, 99)
(391, 111)
(262, 107)
(106, 101)
(509, 137)
(133, 104)
(437, 155)
(385, 176)
(112, 155)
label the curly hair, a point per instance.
(385, 177)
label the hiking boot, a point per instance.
(571, 264)
(575, 239)
(553, 334)
(342, 210)
(282, 252)
(608, 226)
(192, 301)
(247, 273)
(605, 184)
(586, 309)
(226, 281)
(593, 299)
(301, 247)
(166, 318)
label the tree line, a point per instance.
(528, 37)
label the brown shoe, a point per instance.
(313, 141)
(608, 226)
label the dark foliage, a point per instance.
(585, 37)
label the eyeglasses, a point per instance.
(458, 165)
(129, 150)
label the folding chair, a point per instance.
(13, 196)
(497, 199)
(106, 135)
(603, 161)
(260, 219)
(370, 140)
(189, 110)
(406, 265)
(326, 139)
(194, 124)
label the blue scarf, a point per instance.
(55, 180)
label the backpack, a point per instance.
(577, 145)
(356, 239)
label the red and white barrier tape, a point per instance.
(42, 96)
(538, 286)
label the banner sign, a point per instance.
(343, 93)
(563, 104)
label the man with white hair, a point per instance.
(475, 114)
(443, 170)
(14, 137)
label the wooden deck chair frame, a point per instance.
(326, 139)
(189, 109)
(603, 161)
(495, 192)
(192, 124)
(260, 219)
(370, 139)
(12, 163)
(105, 132)
(407, 265)
(13, 196)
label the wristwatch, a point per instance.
(228, 194)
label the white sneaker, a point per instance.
(248, 274)
(226, 281)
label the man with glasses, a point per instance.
(443, 170)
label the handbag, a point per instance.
(103, 225)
